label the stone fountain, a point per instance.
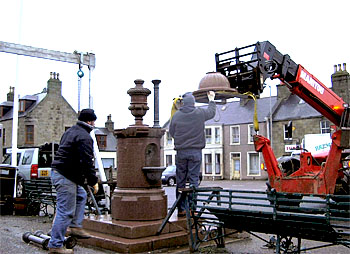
(139, 203)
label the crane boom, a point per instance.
(75, 57)
(248, 67)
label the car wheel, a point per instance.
(171, 181)
(20, 188)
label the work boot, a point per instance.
(79, 233)
(61, 250)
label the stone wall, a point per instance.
(302, 127)
(50, 117)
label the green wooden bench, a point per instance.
(40, 195)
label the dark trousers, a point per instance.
(188, 164)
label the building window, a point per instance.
(217, 164)
(29, 134)
(234, 135)
(287, 131)
(101, 141)
(169, 160)
(208, 164)
(253, 164)
(22, 106)
(217, 135)
(208, 135)
(107, 162)
(251, 133)
(169, 139)
(325, 126)
(3, 136)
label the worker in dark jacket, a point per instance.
(72, 167)
(187, 129)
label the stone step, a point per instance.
(144, 244)
(134, 229)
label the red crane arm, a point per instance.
(316, 94)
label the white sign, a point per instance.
(291, 148)
(317, 143)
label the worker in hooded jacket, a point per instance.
(187, 129)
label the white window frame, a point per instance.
(166, 159)
(22, 106)
(209, 155)
(248, 164)
(239, 135)
(250, 135)
(325, 129)
(208, 140)
(216, 165)
(217, 135)
(168, 139)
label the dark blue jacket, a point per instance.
(75, 157)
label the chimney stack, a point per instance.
(11, 94)
(54, 85)
(109, 124)
(341, 82)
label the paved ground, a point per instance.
(13, 227)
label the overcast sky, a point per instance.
(174, 41)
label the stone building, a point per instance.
(42, 117)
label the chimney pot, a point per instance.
(335, 68)
(339, 66)
(344, 66)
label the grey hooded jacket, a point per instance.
(187, 124)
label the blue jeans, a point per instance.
(188, 164)
(70, 208)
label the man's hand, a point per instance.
(211, 95)
(95, 188)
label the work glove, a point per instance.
(211, 95)
(95, 188)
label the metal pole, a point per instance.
(270, 118)
(156, 103)
(79, 90)
(90, 87)
(1, 145)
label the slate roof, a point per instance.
(37, 98)
(294, 108)
(232, 113)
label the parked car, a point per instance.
(169, 176)
(32, 163)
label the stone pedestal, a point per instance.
(138, 148)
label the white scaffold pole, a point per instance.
(101, 170)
